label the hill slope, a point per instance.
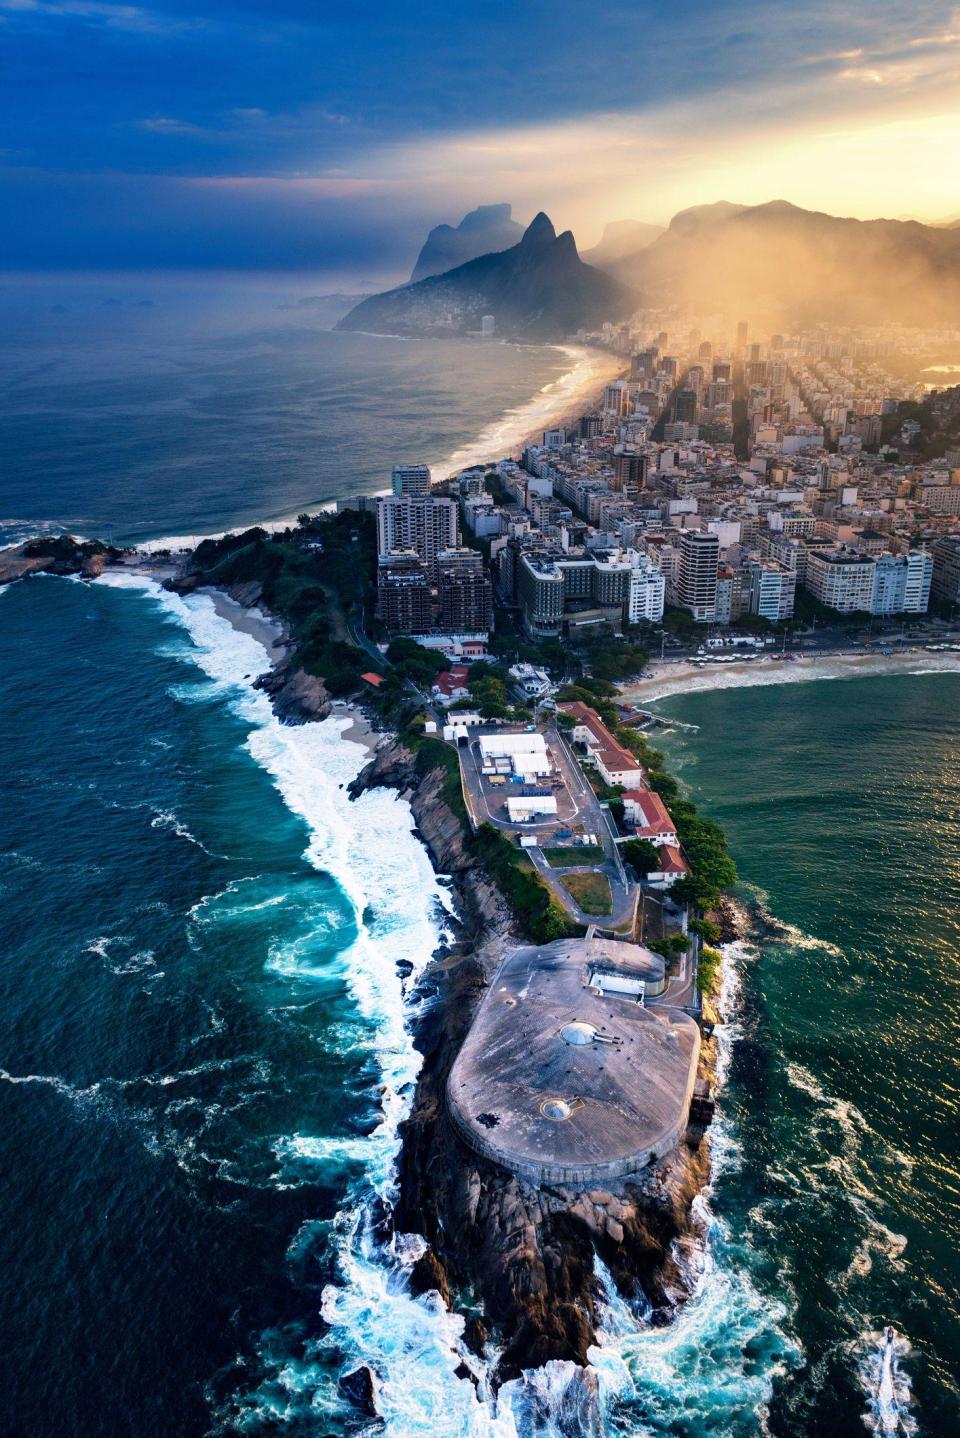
(539, 289)
(621, 238)
(482, 232)
(799, 266)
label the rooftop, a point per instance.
(561, 1082)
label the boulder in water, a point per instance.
(360, 1387)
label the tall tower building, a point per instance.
(630, 471)
(425, 525)
(697, 574)
(403, 594)
(466, 594)
(411, 479)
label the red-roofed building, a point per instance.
(374, 680)
(615, 763)
(451, 684)
(646, 812)
(673, 866)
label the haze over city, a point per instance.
(296, 136)
(479, 719)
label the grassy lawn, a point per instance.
(591, 891)
(574, 855)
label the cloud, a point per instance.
(168, 125)
(117, 17)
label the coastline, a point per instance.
(558, 403)
(640, 1236)
(664, 680)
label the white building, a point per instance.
(523, 807)
(841, 579)
(901, 583)
(411, 479)
(772, 590)
(527, 752)
(647, 591)
(532, 683)
(425, 523)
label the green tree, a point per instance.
(641, 855)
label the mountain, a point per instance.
(620, 238)
(788, 265)
(539, 289)
(485, 230)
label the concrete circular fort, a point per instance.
(568, 1073)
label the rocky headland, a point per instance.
(58, 554)
(527, 1254)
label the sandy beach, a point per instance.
(663, 679)
(559, 403)
(258, 623)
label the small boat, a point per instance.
(888, 1409)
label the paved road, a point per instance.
(577, 803)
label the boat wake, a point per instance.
(886, 1384)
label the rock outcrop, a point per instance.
(297, 697)
(483, 231)
(528, 1253)
(58, 554)
(539, 288)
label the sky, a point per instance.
(282, 135)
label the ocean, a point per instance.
(210, 963)
(137, 410)
(839, 1181)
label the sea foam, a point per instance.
(656, 1376)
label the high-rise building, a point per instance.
(722, 370)
(772, 590)
(629, 471)
(901, 583)
(697, 574)
(466, 594)
(646, 593)
(616, 398)
(742, 328)
(488, 325)
(841, 579)
(644, 364)
(403, 594)
(540, 592)
(411, 479)
(685, 406)
(945, 553)
(426, 525)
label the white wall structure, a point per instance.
(530, 806)
(526, 752)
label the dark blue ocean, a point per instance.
(209, 955)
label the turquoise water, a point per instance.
(840, 1174)
(205, 951)
(210, 960)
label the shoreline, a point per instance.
(643, 1228)
(558, 403)
(668, 679)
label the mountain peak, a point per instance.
(540, 231)
(483, 231)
